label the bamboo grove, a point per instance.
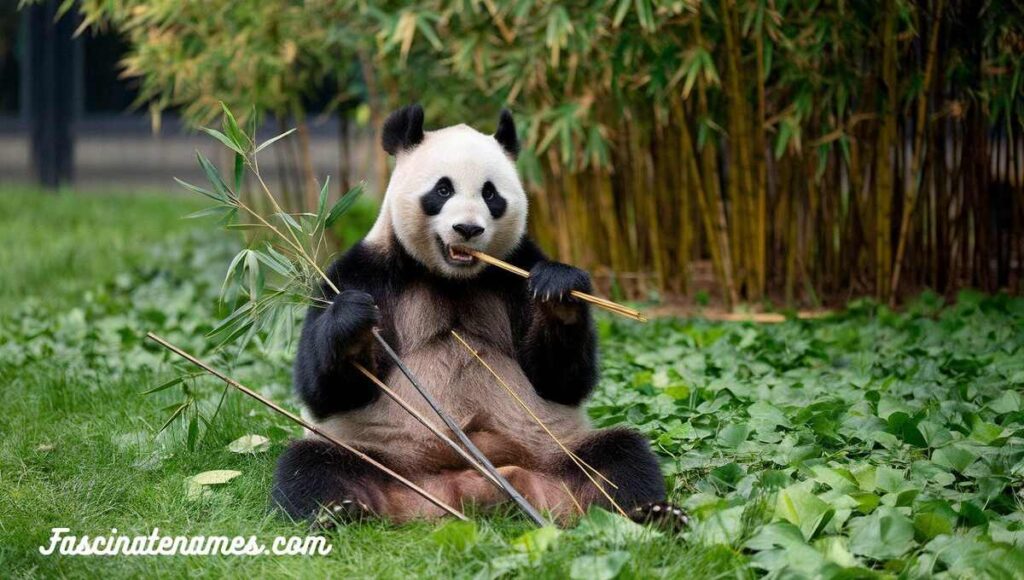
(807, 151)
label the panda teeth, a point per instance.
(459, 255)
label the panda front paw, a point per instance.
(662, 515)
(350, 317)
(551, 285)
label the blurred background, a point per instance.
(775, 153)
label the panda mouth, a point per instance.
(455, 255)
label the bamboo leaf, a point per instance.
(199, 190)
(274, 264)
(223, 139)
(645, 14)
(321, 206)
(343, 205)
(691, 74)
(280, 259)
(233, 270)
(427, 31)
(215, 179)
(620, 12)
(215, 210)
(234, 324)
(164, 386)
(239, 171)
(228, 217)
(289, 221)
(249, 444)
(234, 133)
(177, 412)
(255, 275)
(273, 140)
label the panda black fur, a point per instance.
(453, 188)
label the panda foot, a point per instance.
(339, 513)
(661, 515)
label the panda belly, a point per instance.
(463, 387)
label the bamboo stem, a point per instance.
(603, 303)
(426, 423)
(309, 427)
(461, 435)
(916, 161)
(573, 498)
(584, 466)
(295, 241)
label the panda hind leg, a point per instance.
(319, 482)
(624, 457)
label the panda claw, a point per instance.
(333, 515)
(661, 515)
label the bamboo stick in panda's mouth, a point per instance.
(595, 300)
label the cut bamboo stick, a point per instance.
(573, 498)
(595, 300)
(584, 466)
(461, 435)
(308, 426)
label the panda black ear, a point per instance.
(403, 129)
(506, 134)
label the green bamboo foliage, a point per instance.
(809, 152)
(803, 151)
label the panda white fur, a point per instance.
(451, 189)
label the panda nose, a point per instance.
(468, 231)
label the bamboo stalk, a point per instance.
(583, 465)
(309, 427)
(575, 502)
(884, 153)
(426, 423)
(602, 302)
(917, 155)
(461, 435)
(760, 168)
(712, 186)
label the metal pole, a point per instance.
(50, 73)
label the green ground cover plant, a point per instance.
(868, 443)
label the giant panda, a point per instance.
(452, 189)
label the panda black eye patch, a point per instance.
(495, 203)
(434, 200)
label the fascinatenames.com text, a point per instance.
(156, 544)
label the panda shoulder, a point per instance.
(362, 266)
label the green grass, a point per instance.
(56, 246)
(869, 443)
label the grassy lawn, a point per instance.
(864, 444)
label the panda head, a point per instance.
(452, 189)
